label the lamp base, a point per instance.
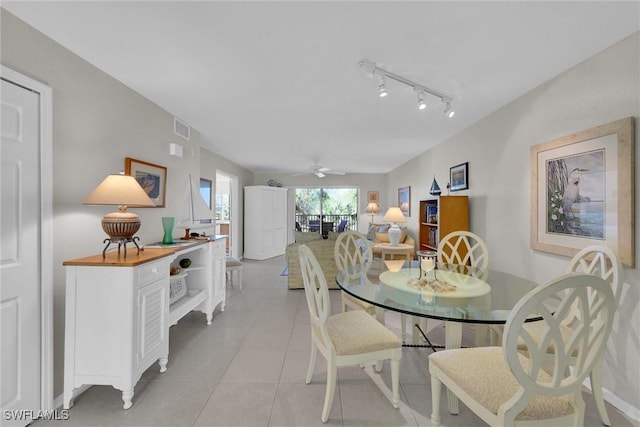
(120, 226)
(394, 235)
(121, 242)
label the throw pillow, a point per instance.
(403, 234)
(371, 234)
(383, 228)
(382, 238)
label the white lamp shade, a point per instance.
(372, 208)
(394, 214)
(119, 190)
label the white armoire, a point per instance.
(265, 221)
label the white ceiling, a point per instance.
(275, 86)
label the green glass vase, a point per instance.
(167, 226)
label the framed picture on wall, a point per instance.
(582, 191)
(152, 178)
(404, 200)
(459, 177)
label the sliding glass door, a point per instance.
(321, 210)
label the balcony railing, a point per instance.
(312, 223)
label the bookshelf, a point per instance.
(440, 216)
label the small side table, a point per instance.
(401, 249)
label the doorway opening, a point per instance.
(226, 210)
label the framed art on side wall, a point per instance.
(152, 178)
(582, 191)
(404, 200)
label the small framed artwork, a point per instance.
(152, 178)
(459, 177)
(373, 197)
(582, 191)
(404, 200)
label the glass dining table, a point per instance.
(455, 294)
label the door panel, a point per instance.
(20, 309)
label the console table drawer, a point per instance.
(152, 272)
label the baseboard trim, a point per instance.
(624, 407)
(59, 400)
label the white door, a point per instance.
(20, 311)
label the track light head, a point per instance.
(448, 111)
(422, 104)
(382, 88)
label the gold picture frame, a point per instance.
(582, 191)
(152, 178)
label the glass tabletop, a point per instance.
(450, 292)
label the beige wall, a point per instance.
(600, 90)
(97, 122)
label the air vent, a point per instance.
(181, 128)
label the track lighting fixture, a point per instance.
(373, 69)
(382, 88)
(448, 111)
(422, 104)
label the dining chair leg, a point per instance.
(395, 382)
(436, 387)
(403, 328)
(452, 339)
(596, 388)
(312, 362)
(332, 371)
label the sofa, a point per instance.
(323, 251)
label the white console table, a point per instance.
(118, 313)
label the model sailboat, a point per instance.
(194, 212)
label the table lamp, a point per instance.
(121, 190)
(372, 209)
(394, 215)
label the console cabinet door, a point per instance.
(152, 322)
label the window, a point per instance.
(205, 191)
(321, 210)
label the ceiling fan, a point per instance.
(319, 171)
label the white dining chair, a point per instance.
(505, 387)
(353, 253)
(602, 262)
(348, 338)
(465, 250)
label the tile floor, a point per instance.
(248, 369)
